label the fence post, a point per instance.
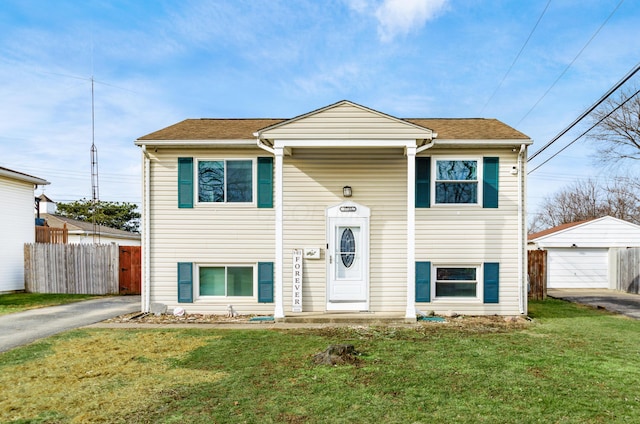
(537, 272)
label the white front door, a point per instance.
(348, 258)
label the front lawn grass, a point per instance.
(17, 302)
(570, 365)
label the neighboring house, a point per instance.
(341, 209)
(45, 204)
(580, 255)
(16, 225)
(83, 232)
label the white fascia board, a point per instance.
(554, 234)
(22, 177)
(197, 143)
(284, 143)
(483, 142)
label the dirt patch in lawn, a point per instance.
(103, 375)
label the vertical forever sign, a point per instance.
(297, 281)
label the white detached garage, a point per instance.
(579, 254)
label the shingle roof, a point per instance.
(469, 128)
(555, 229)
(212, 129)
(243, 129)
(44, 198)
(74, 225)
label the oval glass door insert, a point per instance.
(347, 247)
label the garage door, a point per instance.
(577, 269)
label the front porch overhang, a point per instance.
(284, 147)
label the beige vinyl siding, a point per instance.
(313, 181)
(208, 234)
(347, 121)
(17, 228)
(472, 235)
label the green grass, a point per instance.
(17, 302)
(570, 365)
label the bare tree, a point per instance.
(588, 199)
(622, 197)
(617, 128)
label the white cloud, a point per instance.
(359, 6)
(342, 78)
(400, 17)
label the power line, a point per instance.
(571, 63)
(516, 59)
(589, 129)
(624, 79)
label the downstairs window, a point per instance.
(456, 282)
(227, 281)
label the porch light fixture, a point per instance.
(346, 191)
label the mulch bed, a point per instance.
(138, 317)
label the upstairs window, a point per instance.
(225, 181)
(456, 181)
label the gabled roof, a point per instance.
(424, 131)
(20, 176)
(555, 229)
(44, 198)
(597, 230)
(81, 227)
(471, 129)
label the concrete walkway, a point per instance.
(25, 327)
(611, 300)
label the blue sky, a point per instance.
(158, 62)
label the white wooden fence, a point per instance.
(628, 270)
(71, 268)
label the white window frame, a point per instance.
(469, 299)
(196, 278)
(254, 185)
(479, 180)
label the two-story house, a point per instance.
(341, 209)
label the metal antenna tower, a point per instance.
(95, 190)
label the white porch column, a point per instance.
(279, 302)
(411, 232)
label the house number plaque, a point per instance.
(297, 280)
(348, 209)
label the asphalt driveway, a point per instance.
(614, 301)
(25, 327)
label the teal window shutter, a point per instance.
(423, 182)
(265, 282)
(265, 182)
(185, 182)
(423, 281)
(185, 282)
(491, 282)
(491, 167)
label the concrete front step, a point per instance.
(364, 318)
